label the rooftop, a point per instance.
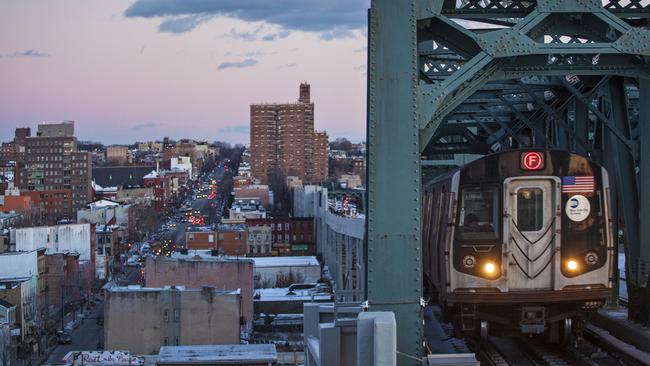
(283, 295)
(285, 261)
(232, 227)
(203, 229)
(111, 287)
(218, 354)
(103, 203)
(205, 255)
(121, 176)
(6, 304)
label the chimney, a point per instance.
(304, 93)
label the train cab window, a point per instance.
(479, 213)
(530, 209)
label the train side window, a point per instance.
(530, 209)
(479, 219)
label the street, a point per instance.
(85, 337)
(88, 336)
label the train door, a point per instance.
(530, 227)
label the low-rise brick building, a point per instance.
(289, 235)
(62, 281)
(232, 239)
(200, 238)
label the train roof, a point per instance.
(450, 173)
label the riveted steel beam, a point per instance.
(394, 262)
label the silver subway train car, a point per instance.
(519, 240)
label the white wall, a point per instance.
(57, 239)
(182, 163)
(19, 264)
(105, 214)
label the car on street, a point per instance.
(63, 337)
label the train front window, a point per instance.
(478, 213)
(530, 209)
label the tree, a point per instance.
(342, 143)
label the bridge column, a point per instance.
(644, 195)
(394, 264)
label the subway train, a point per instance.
(519, 240)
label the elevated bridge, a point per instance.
(450, 80)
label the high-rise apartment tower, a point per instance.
(284, 143)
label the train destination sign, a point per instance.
(532, 160)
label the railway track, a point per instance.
(532, 351)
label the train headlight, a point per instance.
(490, 268)
(572, 265)
(469, 261)
(591, 258)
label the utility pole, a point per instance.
(62, 308)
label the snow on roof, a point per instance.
(137, 288)
(205, 255)
(283, 294)
(218, 354)
(285, 261)
(153, 174)
(103, 203)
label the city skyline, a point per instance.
(99, 64)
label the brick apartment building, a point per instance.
(283, 141)
(200, 238)
(232, 239)
(51, 170)
(289, 235)
(62, 278)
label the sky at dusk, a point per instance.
(144, 69)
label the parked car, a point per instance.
(63, 337)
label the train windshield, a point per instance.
(479, 213)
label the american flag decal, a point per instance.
(573, 184)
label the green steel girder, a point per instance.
(506, 9)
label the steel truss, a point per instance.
(455, 77)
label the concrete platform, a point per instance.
(614, 320)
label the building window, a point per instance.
(166, 341)
(177, 315)
(166, 318)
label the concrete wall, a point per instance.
(339, 240)
(222, 274)
(142, 320)
(57, 239)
